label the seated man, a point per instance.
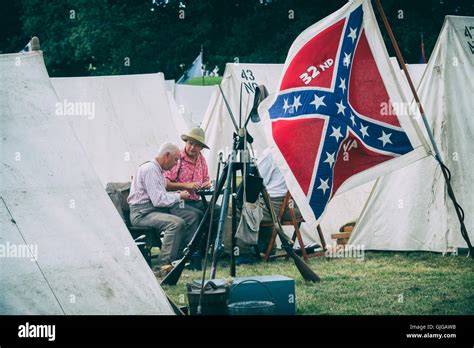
(152, 206)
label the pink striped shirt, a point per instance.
(149, 185)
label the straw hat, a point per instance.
(196, 134)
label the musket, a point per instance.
(173, 276)
(306, 272)
(223, 215)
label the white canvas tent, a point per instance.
(170, 85)
(192, 102)
(416, 72)
(217, 124)
(134, 114)
(409, 209)
(51, 200)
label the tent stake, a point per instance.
(444, 169)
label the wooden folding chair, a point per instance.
(288, 203)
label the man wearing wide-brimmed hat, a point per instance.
(191, 171)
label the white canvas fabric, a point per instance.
(192, 102)
(416, 72)
(170, 86)
(409, 209)
(133, 116)
(83, 259)
(217, 123)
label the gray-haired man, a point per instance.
(152, 206)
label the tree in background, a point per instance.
(103, 37)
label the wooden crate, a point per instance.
(341, 238)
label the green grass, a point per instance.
(208, 81)
(383, 283)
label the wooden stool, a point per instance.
(288, 203)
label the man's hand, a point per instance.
(184, 195)
(194, 186)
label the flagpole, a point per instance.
(444, 169)
(423, 49)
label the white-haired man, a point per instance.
(152, 206)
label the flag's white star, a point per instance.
(318, 101)
(330, 159)
(347, 59)
(324, 185)
(340, 108)
(353, 34)
(342, 85)
(353, 120)
(285, 105)
(385, 138)
(363, 130)
(296, 103)
(336, 133)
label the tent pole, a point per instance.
(444, 169)
(202, 63)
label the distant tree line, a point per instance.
(103, 37)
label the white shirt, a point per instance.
(149, 185)
(272, 177)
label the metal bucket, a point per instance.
(213, 302)
(251, 307)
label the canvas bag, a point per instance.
(247, 231)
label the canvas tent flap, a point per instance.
(179, 122)
(86, 261)
(192, 102)
(416, 72)
(132, 118)
(410, 209)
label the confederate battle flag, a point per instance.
(332, 122)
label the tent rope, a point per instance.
(457, 206)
